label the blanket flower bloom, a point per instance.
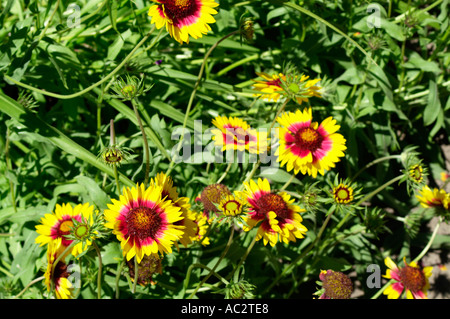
(58, 225)
(183, 18)
(144, 222)
(56, 276)
(433, 198)
(277, 216)
(235, 134)
(169, 191)
(297, 87)
(410, 278)
(306, 146)
(343, 194)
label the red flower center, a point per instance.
(275, 82)
(143, 222)
(272, 202)
(308, 138)
(412, 278)
(177, 10)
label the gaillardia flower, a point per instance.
(411, 278)
(183, 18)
(294, 86)
(433, 198)
(306, 146)
(169, 192)
(235, 134)
(277, 216)
(416, 173)
(56, 276)
(343, 194)
(232, 205)
(270, 88)
(144, 222)
(57, 226)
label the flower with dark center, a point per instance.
(306, 146)
(411, 278)
(183, 18)
(144, 221)
(278, 218)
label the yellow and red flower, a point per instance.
(169, 192)
(278, 218)
(433, 198)
(235, 134)
(56, 276)
(144, 222)
(270, 88)
(306, 146)
(343, 194)
(232, 205)
(183, 18)
(57, 226)
(411, 278)
(277, 85)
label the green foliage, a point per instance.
(387, 87)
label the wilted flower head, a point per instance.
(212, 195)
(335, 285)
(147, 268)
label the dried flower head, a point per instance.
(335, 285)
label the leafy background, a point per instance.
(49, 147)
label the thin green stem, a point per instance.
(119, 272)
(244, 257)
(224, 173)
(112, 141)
(378, 160)
(49, 21)
(191, 99)
(303, 254)
(287, 183)
(71, 96)
(144, 138)
(430, 241)
(136, 274)
(227, 247)
(197, 265)
(99, 274)
(314, 16)
(28, 286)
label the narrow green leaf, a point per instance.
(54, 136)
(433, 107)
(112, 11)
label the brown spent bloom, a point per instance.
(148, 266)
(336, 285)
(212, 195)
